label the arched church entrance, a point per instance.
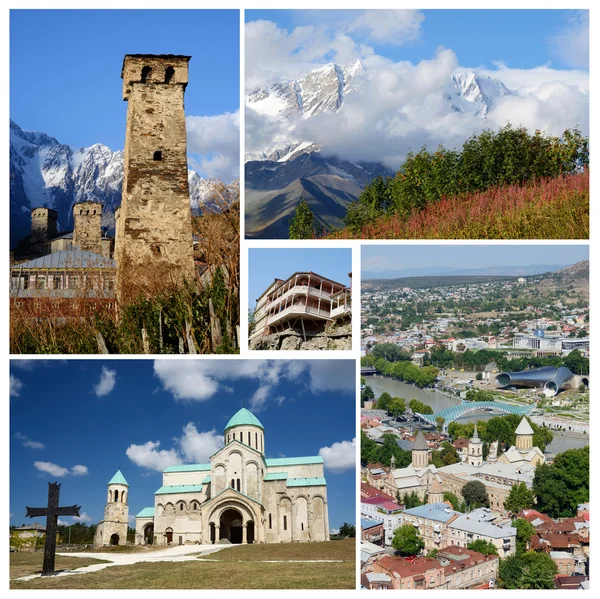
(169, 535)
(230, 525)
(149, 534)
(114, 539)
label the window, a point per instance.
(181, 507)
(40, 282)
(238, 484)
(270, 521)
(256, 440)
(234, 436)
(232, 484)
(146, 72)
(195, 506)
(302, 526)
(285, 523)
(116, 495)
(158, 155)
(169, 72)
(249, 442)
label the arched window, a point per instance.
(285, 523)
(169, 72)
(123, 497)
(302, 525)
(238, 484)
(256, 440)
(116, 495)
(195, 506)
(181, 507)
(232, 483)
(249, 442)
(234, 436)
(270, 521)
(261, 443)
(146, 72)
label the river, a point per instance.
(440, 401)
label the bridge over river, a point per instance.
(451, 414)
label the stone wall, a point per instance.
(341, 339)
(43, 226)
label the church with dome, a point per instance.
(240, 496)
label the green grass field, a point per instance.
(227, 573)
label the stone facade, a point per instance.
(153, 228)
(240, 496)
(87, 231)
(113, 528)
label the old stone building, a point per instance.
(153, 223)
(113, 528)
(240, 496)
(87, 226)
(43, 227)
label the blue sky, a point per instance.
(267, 264)
(141, 415)
(520, 38)
(65, 68)
(399, 257)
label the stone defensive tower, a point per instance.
(87, 226)
(153, 229)
(43, 226)
(113, 529)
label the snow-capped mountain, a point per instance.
(474, 94)
(321, 90)
(44, 172)
(325, 89)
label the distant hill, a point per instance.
(517, 271)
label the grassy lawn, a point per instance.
(337, 550)
(225, 575)
(26, 563)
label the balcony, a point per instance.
(340, 311)
(298, 310)
(299, 290)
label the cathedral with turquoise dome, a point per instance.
(240, 496)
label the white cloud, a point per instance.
(395, 27)
(149, 456)
(216, 142)
(50, 468)
(193, 446)
(63, 522)
(198, 447)
(401, 106)
(107, 382)
(572, 44)
(59, 471)
(15, 386)
(83, 517)
(27, 442)
(341, 456)
(199, 380)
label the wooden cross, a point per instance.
(52, 512)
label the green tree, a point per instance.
(474, 494)
(407, 541)
(367, 394)
(484, 547)
(410, 500)
(384, 400)
(529, 570)
(560, 487)
(439, 423)
(525, 530)
(519, 498)
(348, 530)
(397, 406)
(301, 224)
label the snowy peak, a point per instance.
(320, 90)
(474, 94)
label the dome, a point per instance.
(244, 418)
(118, 479)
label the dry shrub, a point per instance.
(554, 208)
